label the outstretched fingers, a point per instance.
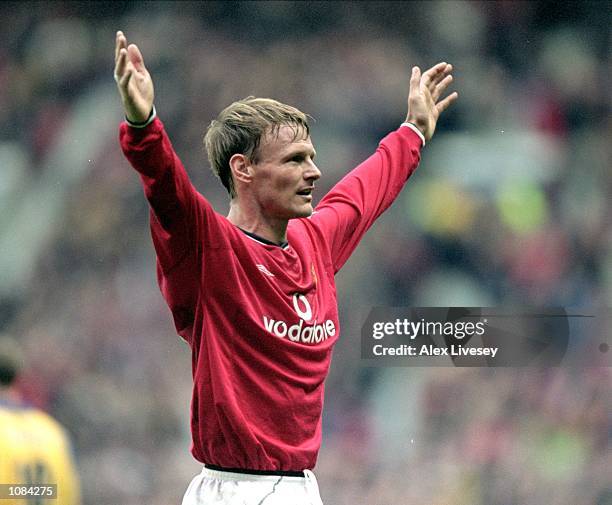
(120, 64)
(439, 88)
(128, 59)
(442, 105)
(120, 43)
(136, 57)
(432, 76)
(424, 108)
(133, 81)
(415, 80)
(124, 79)
(120, 56)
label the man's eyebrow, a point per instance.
(300, 151)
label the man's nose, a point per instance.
(312, 172)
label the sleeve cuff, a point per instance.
(152, 116)
(415, 130)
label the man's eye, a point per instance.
(297, 159)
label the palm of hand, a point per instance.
(140, 91)
(425, 110)
(133, 80)
(424, 104)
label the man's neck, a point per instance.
(274, 230)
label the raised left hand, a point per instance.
(424, 104)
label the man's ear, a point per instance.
(241, 168)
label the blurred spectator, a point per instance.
(36, 451)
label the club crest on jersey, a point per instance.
(302, 330)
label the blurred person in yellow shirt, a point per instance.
(34, 448)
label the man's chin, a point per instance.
(303, 211)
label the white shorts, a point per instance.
(213, 487)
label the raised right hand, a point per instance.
(133, 81)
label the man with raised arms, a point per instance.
(253, 293)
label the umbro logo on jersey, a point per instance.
(264, 270)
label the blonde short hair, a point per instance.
(239, 129)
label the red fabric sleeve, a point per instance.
(345, 214)
(176, 208)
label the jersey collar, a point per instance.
(265, 241)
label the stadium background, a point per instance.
(511, 205)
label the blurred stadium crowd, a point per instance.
(510, 206)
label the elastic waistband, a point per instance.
(243, 471)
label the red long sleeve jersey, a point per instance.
(261, 319)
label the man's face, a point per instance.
(285, 174)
